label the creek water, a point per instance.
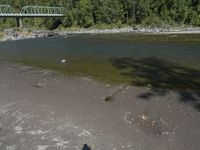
(120, 58)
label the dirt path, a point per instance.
(41, 110)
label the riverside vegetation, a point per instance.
(112, 13)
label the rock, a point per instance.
(63, 61)
(165, 133)
(149, 85)
(144, 117)
(39, 85)
(42, 147)
(107, 85)
(108, 98)
(12, 147)
(51, 34)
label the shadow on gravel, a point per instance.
(86, 147)
(160, 76)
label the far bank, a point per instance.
(27, 33)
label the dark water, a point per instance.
(156, 60)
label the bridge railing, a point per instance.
(42, 10)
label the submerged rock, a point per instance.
(63, 61)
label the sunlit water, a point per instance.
(120, 58)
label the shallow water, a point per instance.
(156, 60)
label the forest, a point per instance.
(117, 13)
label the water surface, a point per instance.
(171, 61)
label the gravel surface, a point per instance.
(44, 110)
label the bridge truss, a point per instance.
(5, 9)
(32, 11)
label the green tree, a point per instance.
(52, 23)
(85, 17)
(86, 13)
(68, 21)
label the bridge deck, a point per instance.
(30, 15)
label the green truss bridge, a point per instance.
(6, 11)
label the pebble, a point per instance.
(144, 117)
(42, 147)
(39, 85)
(18, 129)
(12, 147)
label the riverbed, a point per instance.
(43, 110)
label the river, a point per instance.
(148, 60)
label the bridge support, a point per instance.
(19, 22)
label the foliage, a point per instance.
(68, 21)
(52, 23)
(87, 13)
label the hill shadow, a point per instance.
(161, 76)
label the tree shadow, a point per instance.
(161, 76)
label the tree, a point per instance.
(52, 23)
(68, 21)
(85, 18)
(86, 13)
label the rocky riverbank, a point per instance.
(20, 34)
(42, 110)
(11, 34)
